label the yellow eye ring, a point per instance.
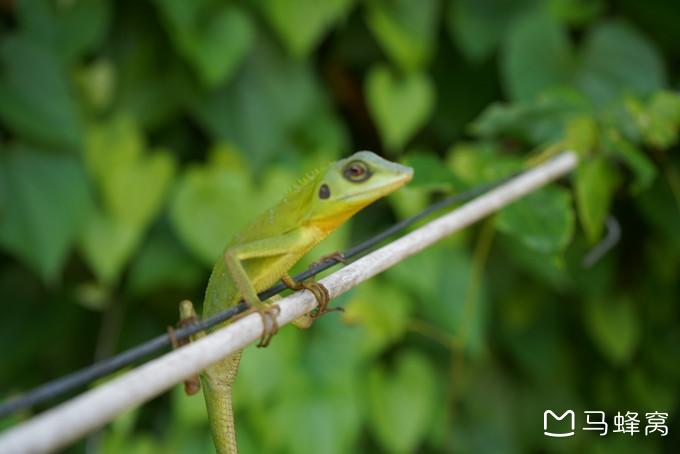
(356, 171)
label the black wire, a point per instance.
(97, 370)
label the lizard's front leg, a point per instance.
(287, 243)
(257, 249)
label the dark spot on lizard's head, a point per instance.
(324, 191)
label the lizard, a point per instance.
(264, 252)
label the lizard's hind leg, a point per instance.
(187, 316)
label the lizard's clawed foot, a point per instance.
(322, 297)
(318, 290)
(338, 256)
(268, 312)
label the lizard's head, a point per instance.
(350, 184)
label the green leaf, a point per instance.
(256, 389)
(302, 23)
(149, 87)
(429, 172)
(439, 278)
(614, 327)
(481, 162)
(213, 202)
(644, 171)
(542, 220)
(331, 364)
(656, 203)
(478, 26)
(576, 12)
(659, 119)
(36, 98)
(402, 401)
(132, 184)
(107, 244)
(399, 106)
(327, 422)
(83, 25)
(406, 30)
(70, 29)
(537, 55)
(133, 181)
(382, 310)
(594, 186)
(256, 112)
(420, 274)
(611, 51)
(581, 135)
(96, 82)
(162, 263)
(215, 39)
(322, 132)
(280, 398)
(321, 418)
(46, 200)
(408, 201)
(547, 268)
(335, 356)
(541, 120)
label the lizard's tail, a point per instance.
(217, 382)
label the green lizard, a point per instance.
(264, 252)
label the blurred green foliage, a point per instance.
(137, 136)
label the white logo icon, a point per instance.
(569, 413)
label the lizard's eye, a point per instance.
(356, 171)
(324, 191)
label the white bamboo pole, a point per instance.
(71, 420)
